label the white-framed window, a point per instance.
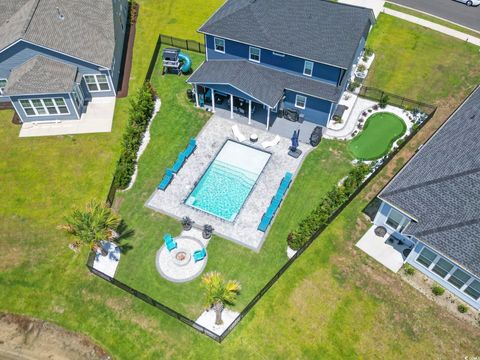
(97, 82)
(254, 54)
(395, 219)
(308, 68)
(44, 107)
(450, 272)
(300, 101)
(3, 84)
(219, 45)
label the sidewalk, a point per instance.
(434, 26)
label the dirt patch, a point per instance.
(448, 301)
(27, 339)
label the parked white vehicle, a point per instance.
(470, 2)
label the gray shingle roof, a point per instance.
(264, 84)
(41, 75)
(318, 30)
(86, 31)
(440, 187)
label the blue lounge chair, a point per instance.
(179, 163)
(199, 255)
(266, 219)
(192, 145)
(169, 242)
(167, 179)
(285, 183)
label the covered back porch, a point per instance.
(238, 106)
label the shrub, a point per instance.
(368, 51)
(375, 107)
(320, 216)
(361, 68)
(139, 114)
(462, 308)
(437, 290)
(353, 85)
(383, 101)
(408, 269)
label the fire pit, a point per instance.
(181, 257)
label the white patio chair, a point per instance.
(270, 143)
(238, 134)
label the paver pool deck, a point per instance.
(209, 141)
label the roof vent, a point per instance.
(59, 14)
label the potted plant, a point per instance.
(207, 231)
(187, 223)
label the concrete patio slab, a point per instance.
(97, 119)
(388, 254)
(244, 229)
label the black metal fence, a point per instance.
(375, 94)
(190, 45)
(366, 92)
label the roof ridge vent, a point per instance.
(60, 16)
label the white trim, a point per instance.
(42, 100)
(74, 105)
(215, 45)
(278, 54)
(266, 48)
(396, 207)
(305, 66)
(304, 102)
(73, 57)
(206, 47)
(97, 83)
(250, 54)
(213, 100)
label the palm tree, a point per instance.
(219, 293)
(96, 223)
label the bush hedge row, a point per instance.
(139, 114)
(331, 202)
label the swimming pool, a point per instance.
(226, 184)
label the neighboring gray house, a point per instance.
(56, 55)
(434, 204)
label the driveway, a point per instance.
(447, 9)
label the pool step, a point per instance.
(232, 173)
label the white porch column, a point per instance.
(268, 117)
(196, 96)
(231, 106)
(249, 112)
(213, 100)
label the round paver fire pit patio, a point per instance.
(178, 265)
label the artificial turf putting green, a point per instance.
(380, 132)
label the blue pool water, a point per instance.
(225, 186)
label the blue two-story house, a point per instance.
(281, 57)
(56, 56)
(433, 203)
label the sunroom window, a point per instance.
(442, 267)
(45, 106)
(459, 278)
(395, 219)
(97, 82)
(426, 257)
(473, 289)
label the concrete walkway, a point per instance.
(434, 26)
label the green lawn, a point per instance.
(377, 137)
(174, 125)
(333, 303)
(433, 19)
(419, 63)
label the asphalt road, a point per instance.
(447, 9)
